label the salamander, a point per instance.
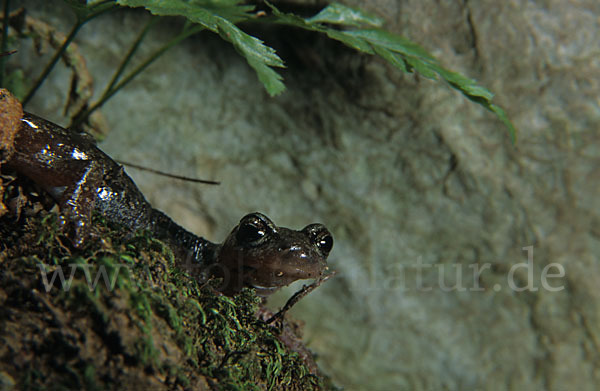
(83, 179)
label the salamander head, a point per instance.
(259, 254)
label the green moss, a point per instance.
(151, 318)
(89, 377)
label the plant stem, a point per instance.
(180, 37)
(52, 63)
(4, 42)
(129, 55)
(40, 80)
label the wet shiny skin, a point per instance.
(82, 179)
(266, 257)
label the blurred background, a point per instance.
(464, 261)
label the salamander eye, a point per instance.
(325, 244)
(320, 237)
(249, 234)
(253, 229)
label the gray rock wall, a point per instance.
(417, 184)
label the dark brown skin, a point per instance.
(259, 254)
(82, 179)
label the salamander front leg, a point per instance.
(77, 203)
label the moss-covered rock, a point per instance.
(117, 313)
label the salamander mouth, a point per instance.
(272, 277)
(264, 290)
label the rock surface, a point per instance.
(416, 183)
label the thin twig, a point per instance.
(180, 37)
(59, 52)
(4, 41)
(296, 297)
(130, 53)
(52, 63)
(183, 178)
